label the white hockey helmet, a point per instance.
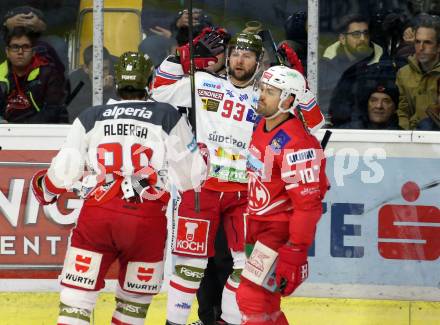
(289, 81)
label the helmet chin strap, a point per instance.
(273, 115)
(280, 109)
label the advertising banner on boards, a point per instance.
(379, 236)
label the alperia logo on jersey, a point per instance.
(117, 111)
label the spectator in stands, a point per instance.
(380, 109)
(352, 47)
(84, 98)
(431, 7)
(352, 64)
(418, 80)
(33, 19)
(157, 47)
(51, 20)
(432, 122)
(295, 28)
(31, 90)
(179, 27)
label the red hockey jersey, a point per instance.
(287, 179)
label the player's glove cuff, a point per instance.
(289, 55)
(37, 185)
(292, 268)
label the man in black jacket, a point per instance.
(346, 67)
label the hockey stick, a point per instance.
(269, 43)
(270, 46)
(193, 119)
(326, 138)
(75, 92)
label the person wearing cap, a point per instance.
(380, 111)
(132, 150)
(418, 80)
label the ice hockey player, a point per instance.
(225, 118)
(287, 183)
(132, 149)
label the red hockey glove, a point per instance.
(207, 45)
(292, 268)
(37, 187)
(289, 55)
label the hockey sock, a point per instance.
(230, 312)
(73, 316)
(128, 312)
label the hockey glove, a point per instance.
(289, 55)
(207, 45)
(37, 188)
(292, 268)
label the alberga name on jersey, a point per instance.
(122, 139)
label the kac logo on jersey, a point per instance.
(229, 93)
(243, 97)
(259, 196)
(279, 141)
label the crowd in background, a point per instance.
(378, 64)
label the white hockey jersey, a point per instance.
(225, 118)
(129, 139)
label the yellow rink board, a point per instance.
(42, 309)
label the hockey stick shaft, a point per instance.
(193, 118)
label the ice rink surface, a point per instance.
(18, 308)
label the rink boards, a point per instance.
(379, 237)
